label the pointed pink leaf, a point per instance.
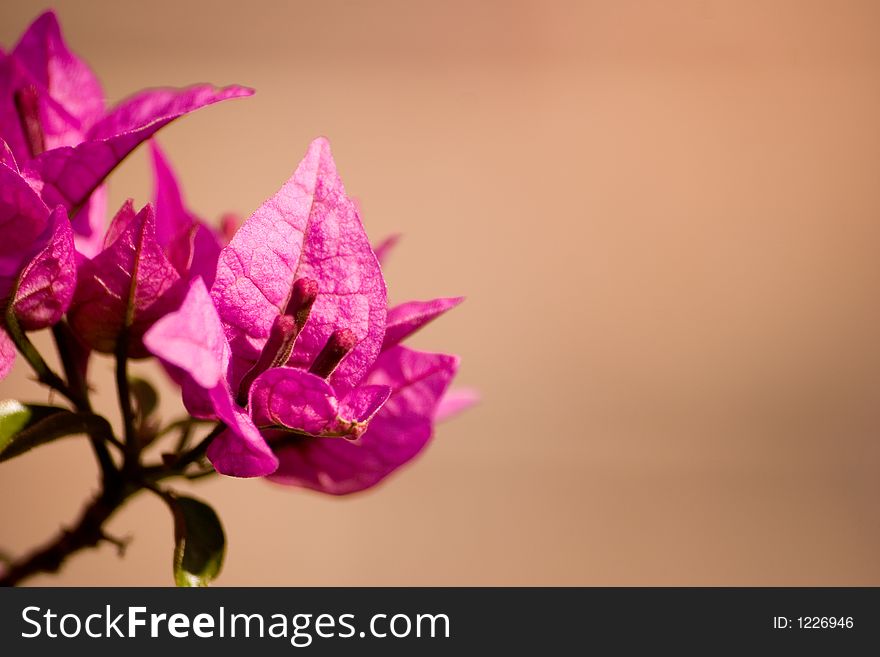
(240, 451)
(362, 403)
(407, 318)
(195, 253)
(70, 175)
(11, 79)
(146, 112)
(126, 287)
(191, 338)
(46, 284)
(7, 353)
(454, 402)
(192, 247)
(63, 78)
(205, 253)
(294, 399)
(190, 344)
(229, 224)
(398, 432)
(357, 409)
(308, 229)
(90, 222)
(23, 218)
(121, 222)
(172, 217)
(384, 248)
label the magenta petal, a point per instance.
(240, 451)
(172, 218)
(294, 399)
(6, 156)
(308, 229)
(143, 114)
(90, 222)
(407, 318)
(195, 252)
(70, 175)
(362, 403)
(128, 286)
(121, 222)
(191, 346)
(7, 353)
(11, 79)
(191, 338)
(23, 218)
(454, 402)
(385, 247)
(357, 409)
(205, 252)
(46, 284)
(68, 81)
(396, 434)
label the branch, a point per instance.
(88, 532)
(132, 448)
(67, 346)
(45, 374)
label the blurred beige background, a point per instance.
(666, 218)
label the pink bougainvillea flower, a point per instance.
(192, 245)
(405, 319)
(385, 247)
(124, 289)
(398, 431)
(37, 261)
(297, 290)
(290, 349)
(69, 175)
(66, 95)
(413, 315)
(141, 271)
(307, 239)
(54, 119)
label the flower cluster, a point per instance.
(278, 330)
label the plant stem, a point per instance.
(199, 450)
(132, 448)
(87, 532)
(67, 346)
(176, 466)
(117, 485)
(89, 529)
(45, 374)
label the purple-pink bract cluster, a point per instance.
(280, 330)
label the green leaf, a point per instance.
(13, 417)
(43, 424)
(199, 542)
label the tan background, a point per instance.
(666, 217)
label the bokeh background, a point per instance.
(666, 218)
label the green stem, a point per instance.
(45, 374)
